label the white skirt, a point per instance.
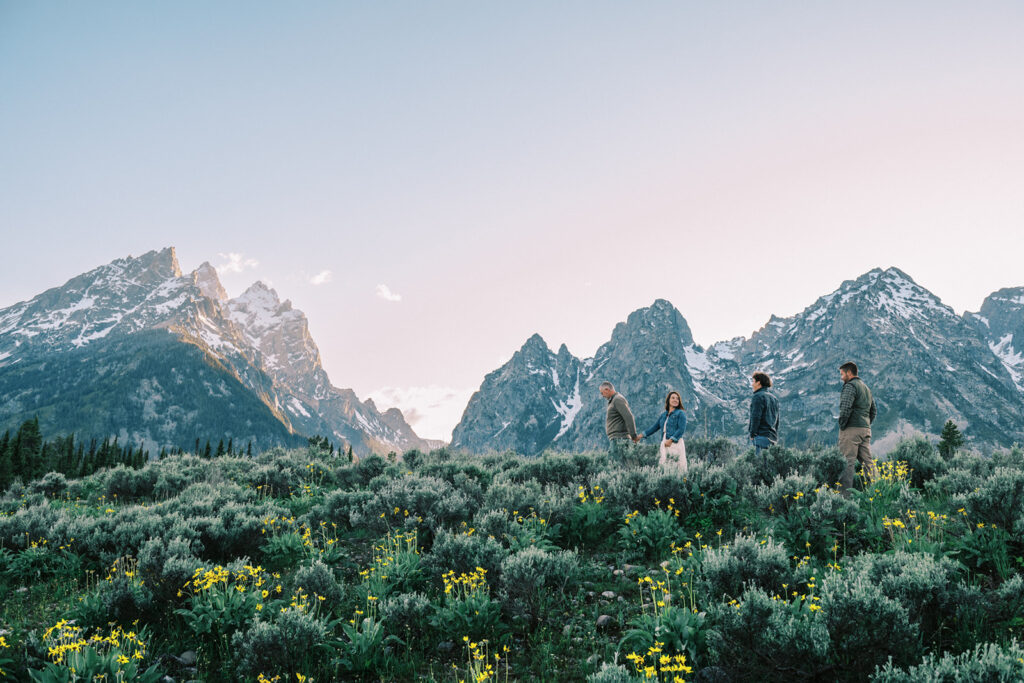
(673, 456)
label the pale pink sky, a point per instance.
(505, 169)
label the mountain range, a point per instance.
(925, 364)
(140, 350)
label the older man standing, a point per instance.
(856, 413)
(619, 423)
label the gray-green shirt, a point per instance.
(619, 422)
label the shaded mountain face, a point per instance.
(541, 399)
(924, 363)
(1001, 324)
(267, 378)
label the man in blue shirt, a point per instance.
(764, 414)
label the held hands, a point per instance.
(636, 439)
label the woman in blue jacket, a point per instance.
(672, 424)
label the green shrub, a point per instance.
(52, 485)
(866, 627)
(462, 552)
(761, 638)
(764, 564)
(407, 616)
(999, 499)
(528, 576)
(715, 451)
(126, 484)
(784, 492)
(924, 461)
(432, 501)
(985, 662)
(293, 642)
(924, 585)
(166, 565)
(612, 673)
(317, 579)
(337, 507)
(652, 535)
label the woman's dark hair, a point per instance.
(764, 379)
(680, 401)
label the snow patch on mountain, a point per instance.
(569, 408)
(1012, 360)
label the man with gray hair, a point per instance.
(619, 423)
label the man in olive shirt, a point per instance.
(619, 423)
(856, 413)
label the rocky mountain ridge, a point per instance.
(253, 351)
(925, 363)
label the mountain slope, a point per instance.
(924, 363)
(1001, 323)
(541, 399)
(146, 305)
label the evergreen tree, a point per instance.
(29, 450)
(950, 439)
(248, 449)
(220, 448)
(6, 468)
(206, 451)
(231, 443)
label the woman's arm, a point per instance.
(657, 424)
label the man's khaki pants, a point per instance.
(855, 444)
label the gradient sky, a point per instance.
(510, 168)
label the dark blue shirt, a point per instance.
(764, 415)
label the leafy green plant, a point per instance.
(116, 656)
(651, 535)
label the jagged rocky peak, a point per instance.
(206, 279)
(150, 269)
(660, 318)
(892, 292)
(1001, 324)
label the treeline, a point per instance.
(27, 456)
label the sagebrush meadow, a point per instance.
(299, 565)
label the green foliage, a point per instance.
(761, 637)
(924, 462)
(747, 562)
(464, 551)
(531, 575)
(984, 662)
(652, 535)
(611, 673)
(377, 570)
(950, 439)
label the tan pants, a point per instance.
(855, 444)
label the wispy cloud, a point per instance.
(320, 278)
(432, 411)
(384, 292)
(235, 263)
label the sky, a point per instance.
(432, 183)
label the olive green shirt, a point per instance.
(619, 422)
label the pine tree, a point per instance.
(248, 449)
(950, 439)
(29, 450)
(220, 448)
(231, 444)
(6, 469)
(207, 452)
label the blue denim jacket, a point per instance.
(676, 424)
